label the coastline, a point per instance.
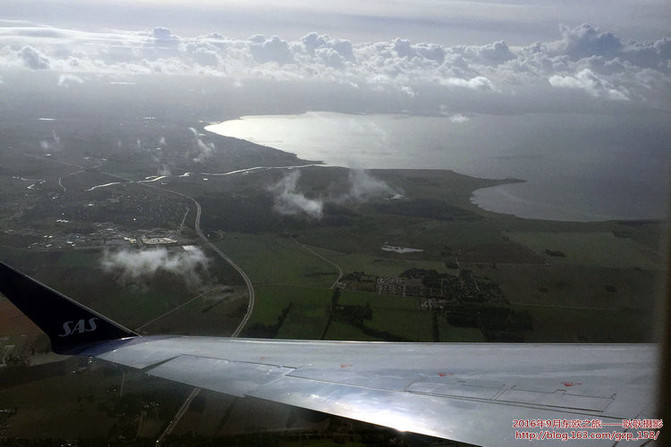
(582, 181)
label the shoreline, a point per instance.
(551, 190)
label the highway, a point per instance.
(248, 282)
(199, 212)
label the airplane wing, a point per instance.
(485, 394)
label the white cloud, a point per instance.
(364, 187)
(33, 59)
(129, 265)
(396, 75)
(65, 80)
(289, 200)
(458, 118)
(584, 41)
(589, 82)
(200, 150)
(476, 83)
(270, 50)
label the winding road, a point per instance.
(248, 282)
(312, 252)
(250, 288)
(199, 212)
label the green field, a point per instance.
(215, 313)
(578, 286)
(78, 274)
(90, 393)
(270, 259)
(309, 306)
(575, 325)
(578, 282)
(437, 238)
(307, 316)
(381, 264)
(591, 249)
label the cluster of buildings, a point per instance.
(435, 288)
(106, 236)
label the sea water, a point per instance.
(575, 167)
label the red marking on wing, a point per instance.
(345, 365)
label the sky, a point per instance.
(422, 56)
(445, 22)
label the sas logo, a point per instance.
(69, 327)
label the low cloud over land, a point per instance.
(289, 199)
(132, 265)
(200, 149)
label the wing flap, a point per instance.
(558, 398)
(457, 388)
(464, 392)
(390, 379)
(234, 378)
(472, 421)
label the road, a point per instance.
(312, 252)
(199, 212)
(178, 416)
(248, 282)
(153, 320)
(250, 288)
(250, 306)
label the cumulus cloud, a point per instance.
(270, 50)
(33, 59)
(52, 144)
(588, 42)
(584, 41)
(133, 265)
(491, 54)
(397, 74)
(476, 83)
(316, 44)
(363, 187)
(162, 37)
(289, 200)
(200, 150)
(66, 80)
(203, 53)
(161, 43)
(459, 118)
(589, 82)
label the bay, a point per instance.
(576, 167)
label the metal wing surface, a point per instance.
(468, 392)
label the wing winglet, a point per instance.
(69, 325)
